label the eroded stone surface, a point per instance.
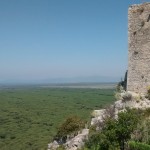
(139, 48)
(72, 144)
(97, 116)
(78, 141)
(137, 101)
(53, 146)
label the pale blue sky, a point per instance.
(45, 39)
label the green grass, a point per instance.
(29, 117)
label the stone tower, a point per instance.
(139, 48)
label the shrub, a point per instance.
(147, 112)
(142, 133)
(126, 97)
(99, 141)
(92, 129)
(2, 135)
(119, 87)
(115, 133)
(109, 112)
(138, 146)
(122, 85)
(61, 147)
(126, 124)
(70, 127)
(148, 92)
(118, 95)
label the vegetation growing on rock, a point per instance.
(115, 133)
(138, 146)
(69, 128)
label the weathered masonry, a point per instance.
(139, 48)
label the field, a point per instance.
(29, 116)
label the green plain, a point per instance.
(29, 117)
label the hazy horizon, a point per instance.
(63, 41)
(65, 80)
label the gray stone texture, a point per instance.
(139, 48)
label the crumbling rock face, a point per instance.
(137, 101)
(53, 146)
(127, 100)
(72, 144)
(78, 141)
(139, 48)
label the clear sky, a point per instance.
(42, 40)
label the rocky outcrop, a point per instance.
(53, 146)
(78, 141)
(98, 116)
(74, 143)
(126, 100)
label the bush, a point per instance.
(119, 87)
(126, 124)
(142, 133)
(118, 96)
(61, 147)
(122, 85)
(147, 112)
(138, 146)
(69, 128)
(115, 133)
(126, 97)
(148, 93)
(99, 141)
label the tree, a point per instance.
(126, 123)
(116, 132)
(71, 126)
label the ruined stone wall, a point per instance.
(139, 48)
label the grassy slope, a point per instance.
(29, 117)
